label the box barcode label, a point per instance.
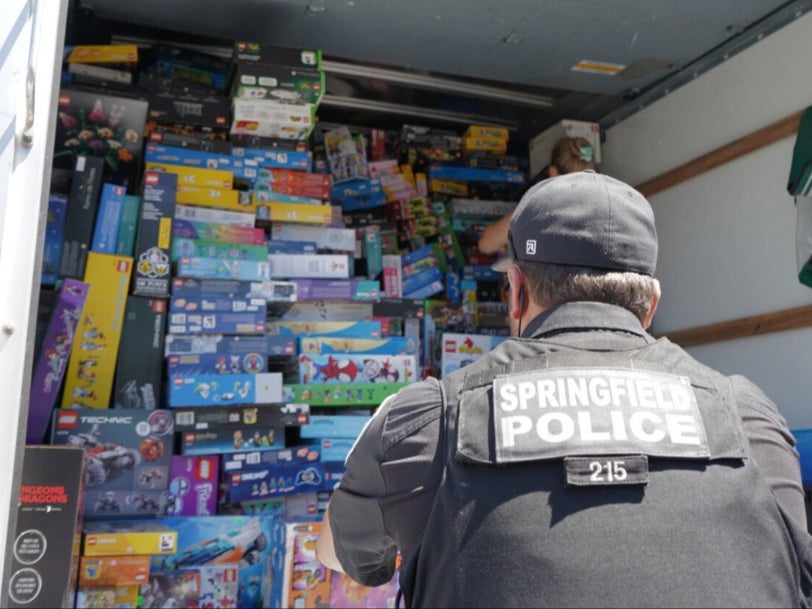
(184, 418)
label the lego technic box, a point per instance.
(125, 450)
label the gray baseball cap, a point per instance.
(583, 219)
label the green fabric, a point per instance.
(801, 169)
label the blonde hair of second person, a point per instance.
(569, 154)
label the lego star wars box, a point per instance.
(124, 450)
(53, 357)
(139, 370)
(106, 127)
(44, 552)
(91, 367)
(153, 239)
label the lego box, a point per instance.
(199, 344)
(124, 450)
(220, 268)
(83, 203)
(124, 538)
(211, 215)
(139, 369)
(111, 505)
(221, 233)
(292, 455)
(53, 357)
(211, 540)
(91, 367)
(329, 239)
(201, 248)
(108, 219)
(240, 417)
(153, 238)
(217, 322)
(356, 368)
(216, 363)
(459, 350)
(338, 329)
(54, 235)
(227, 441)
(194, 480)
(274, 481)
(303, 266)
(114, 570)
(217, 390)
(394, 345)
(213, 295)
(44, 552)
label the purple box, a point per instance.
(53, 358)
(193, 480)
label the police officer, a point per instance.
(583, 462)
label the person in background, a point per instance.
(581, 462)
(569, 154)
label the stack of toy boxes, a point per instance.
(127, 457)
(100, 64)
(419, 146)
(116, 560)
(275, 91)
(483, 139)
(186, 90)
(293, 195)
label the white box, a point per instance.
(540, 146)
(214, 216)
(309, 266)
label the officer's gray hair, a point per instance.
(553, 284)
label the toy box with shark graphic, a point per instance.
(212, 540)
(124, 449)
(357, 368)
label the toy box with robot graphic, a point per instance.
(109, 505)
(215, 540)
(357, 368)
(124, 450)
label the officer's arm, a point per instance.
(325, 547)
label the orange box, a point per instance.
(114, 570)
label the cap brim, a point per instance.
(503, 264)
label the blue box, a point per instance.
(216, 322)
(203, 248)
(393, 345)
(480, 272)
(217, 268)
(423, 278)
(193, 364)
(255, 483)
(415, 255)
(241, 168)
(358, 195)
(215, 296)
(472, 174)
(337, 289)
(427, 291)
(54, 231)
(108, 219)
(204, 540)
(335, 449)
(240, 417)
(291, 247)
(343, 329)
(283, 159)
(217, 390)
(334, 426)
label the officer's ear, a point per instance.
(652, 307)
(516, 291)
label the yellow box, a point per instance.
(408, 174)
(484, 131)
(219, 198)
(98, 332)
(104, 53)
(296, 212)
(449, 187)
(110, 538)
(484, 144)
(195, 176)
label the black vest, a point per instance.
(617, 478)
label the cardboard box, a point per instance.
(540, 147)
(113, 570)
(108, 219)
(474, 174)
(124, 538)
(227, 441)
(206, 215)
(124, 450)
(104, 53)
(152, 269)
(44, 553)
(52, 360)
(194, 480)
(139, 369)
(211, 540)
(217, 390)
(99, 332)
(268, 118)
(54, 237)
(103, 126)
(81, 215)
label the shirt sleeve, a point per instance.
(392, 472)
(773, 447)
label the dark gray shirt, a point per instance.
(383, 500)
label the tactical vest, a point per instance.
(619, 478)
